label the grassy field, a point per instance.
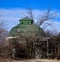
(32, 60)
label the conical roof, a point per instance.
(26, 30)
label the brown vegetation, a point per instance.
(32, 60)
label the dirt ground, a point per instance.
(32, 60)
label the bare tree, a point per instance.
(46, 17)
(3, 34)
(30, 13)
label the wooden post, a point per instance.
(13, 52)
(47, 48)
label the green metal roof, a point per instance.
(26, 18)
(27, 30)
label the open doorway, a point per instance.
(21, 53)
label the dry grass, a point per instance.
(33, 60)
